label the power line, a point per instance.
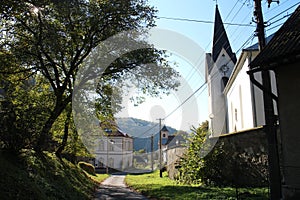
(146, 131)
(185, 100)
(231, 10)
(279, 19)
(245, 43)
(203, 21)
(283, 11)
(211, 22)
(275, 26)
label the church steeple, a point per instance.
(220, 39)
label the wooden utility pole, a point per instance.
(152, 149)
(270, 120)
(160, 150)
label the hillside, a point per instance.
(28, 176)
(141, 131)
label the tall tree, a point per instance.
(53, 38)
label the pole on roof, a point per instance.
(270, 120)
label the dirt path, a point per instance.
(115, 188)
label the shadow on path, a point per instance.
(115, 188)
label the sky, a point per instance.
(178, 18)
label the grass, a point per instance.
(98, 178)
(153, 186)
(28, 176)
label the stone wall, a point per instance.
(243, 158)
(238, 159)
(173, 157)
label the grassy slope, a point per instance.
(164, 188)
(42, 177)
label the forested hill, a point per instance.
(141, 131)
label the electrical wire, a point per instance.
(231, 10)
(279, 19)
(143, 133)
(283, 11)
(228, 24)
(275, 26)
(245, 43)
(203, 21)
(185, 100)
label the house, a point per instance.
(114, 150)
(219, 65)
(282, 56)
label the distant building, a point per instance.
(114, 150)
(169, 142)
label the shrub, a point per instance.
(89, 168)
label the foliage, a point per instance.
(225, 161)
(192, 163)
(89, 168)
(155, 187)
(31, 176)
(52, 39)
(23, 110)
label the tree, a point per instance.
(53, 38)
(192, 163)
(23, 108)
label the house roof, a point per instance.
(172, 139)
(220, 39)
(284, 46)
(255, 46)
(116, 133)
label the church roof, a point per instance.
(164, 128)
(220, 39)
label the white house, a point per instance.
(114, 150)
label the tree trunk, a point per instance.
(66, 134)
(44, 136)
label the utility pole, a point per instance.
(270, 127)
(160, 150)
(152, 149)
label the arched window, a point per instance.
(224, 82)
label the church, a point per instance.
(235, 104)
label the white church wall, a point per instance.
(239, 100)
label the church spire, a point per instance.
(220, 39)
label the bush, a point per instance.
(89, 168)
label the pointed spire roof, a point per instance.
(220, 39)
(164, 128)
